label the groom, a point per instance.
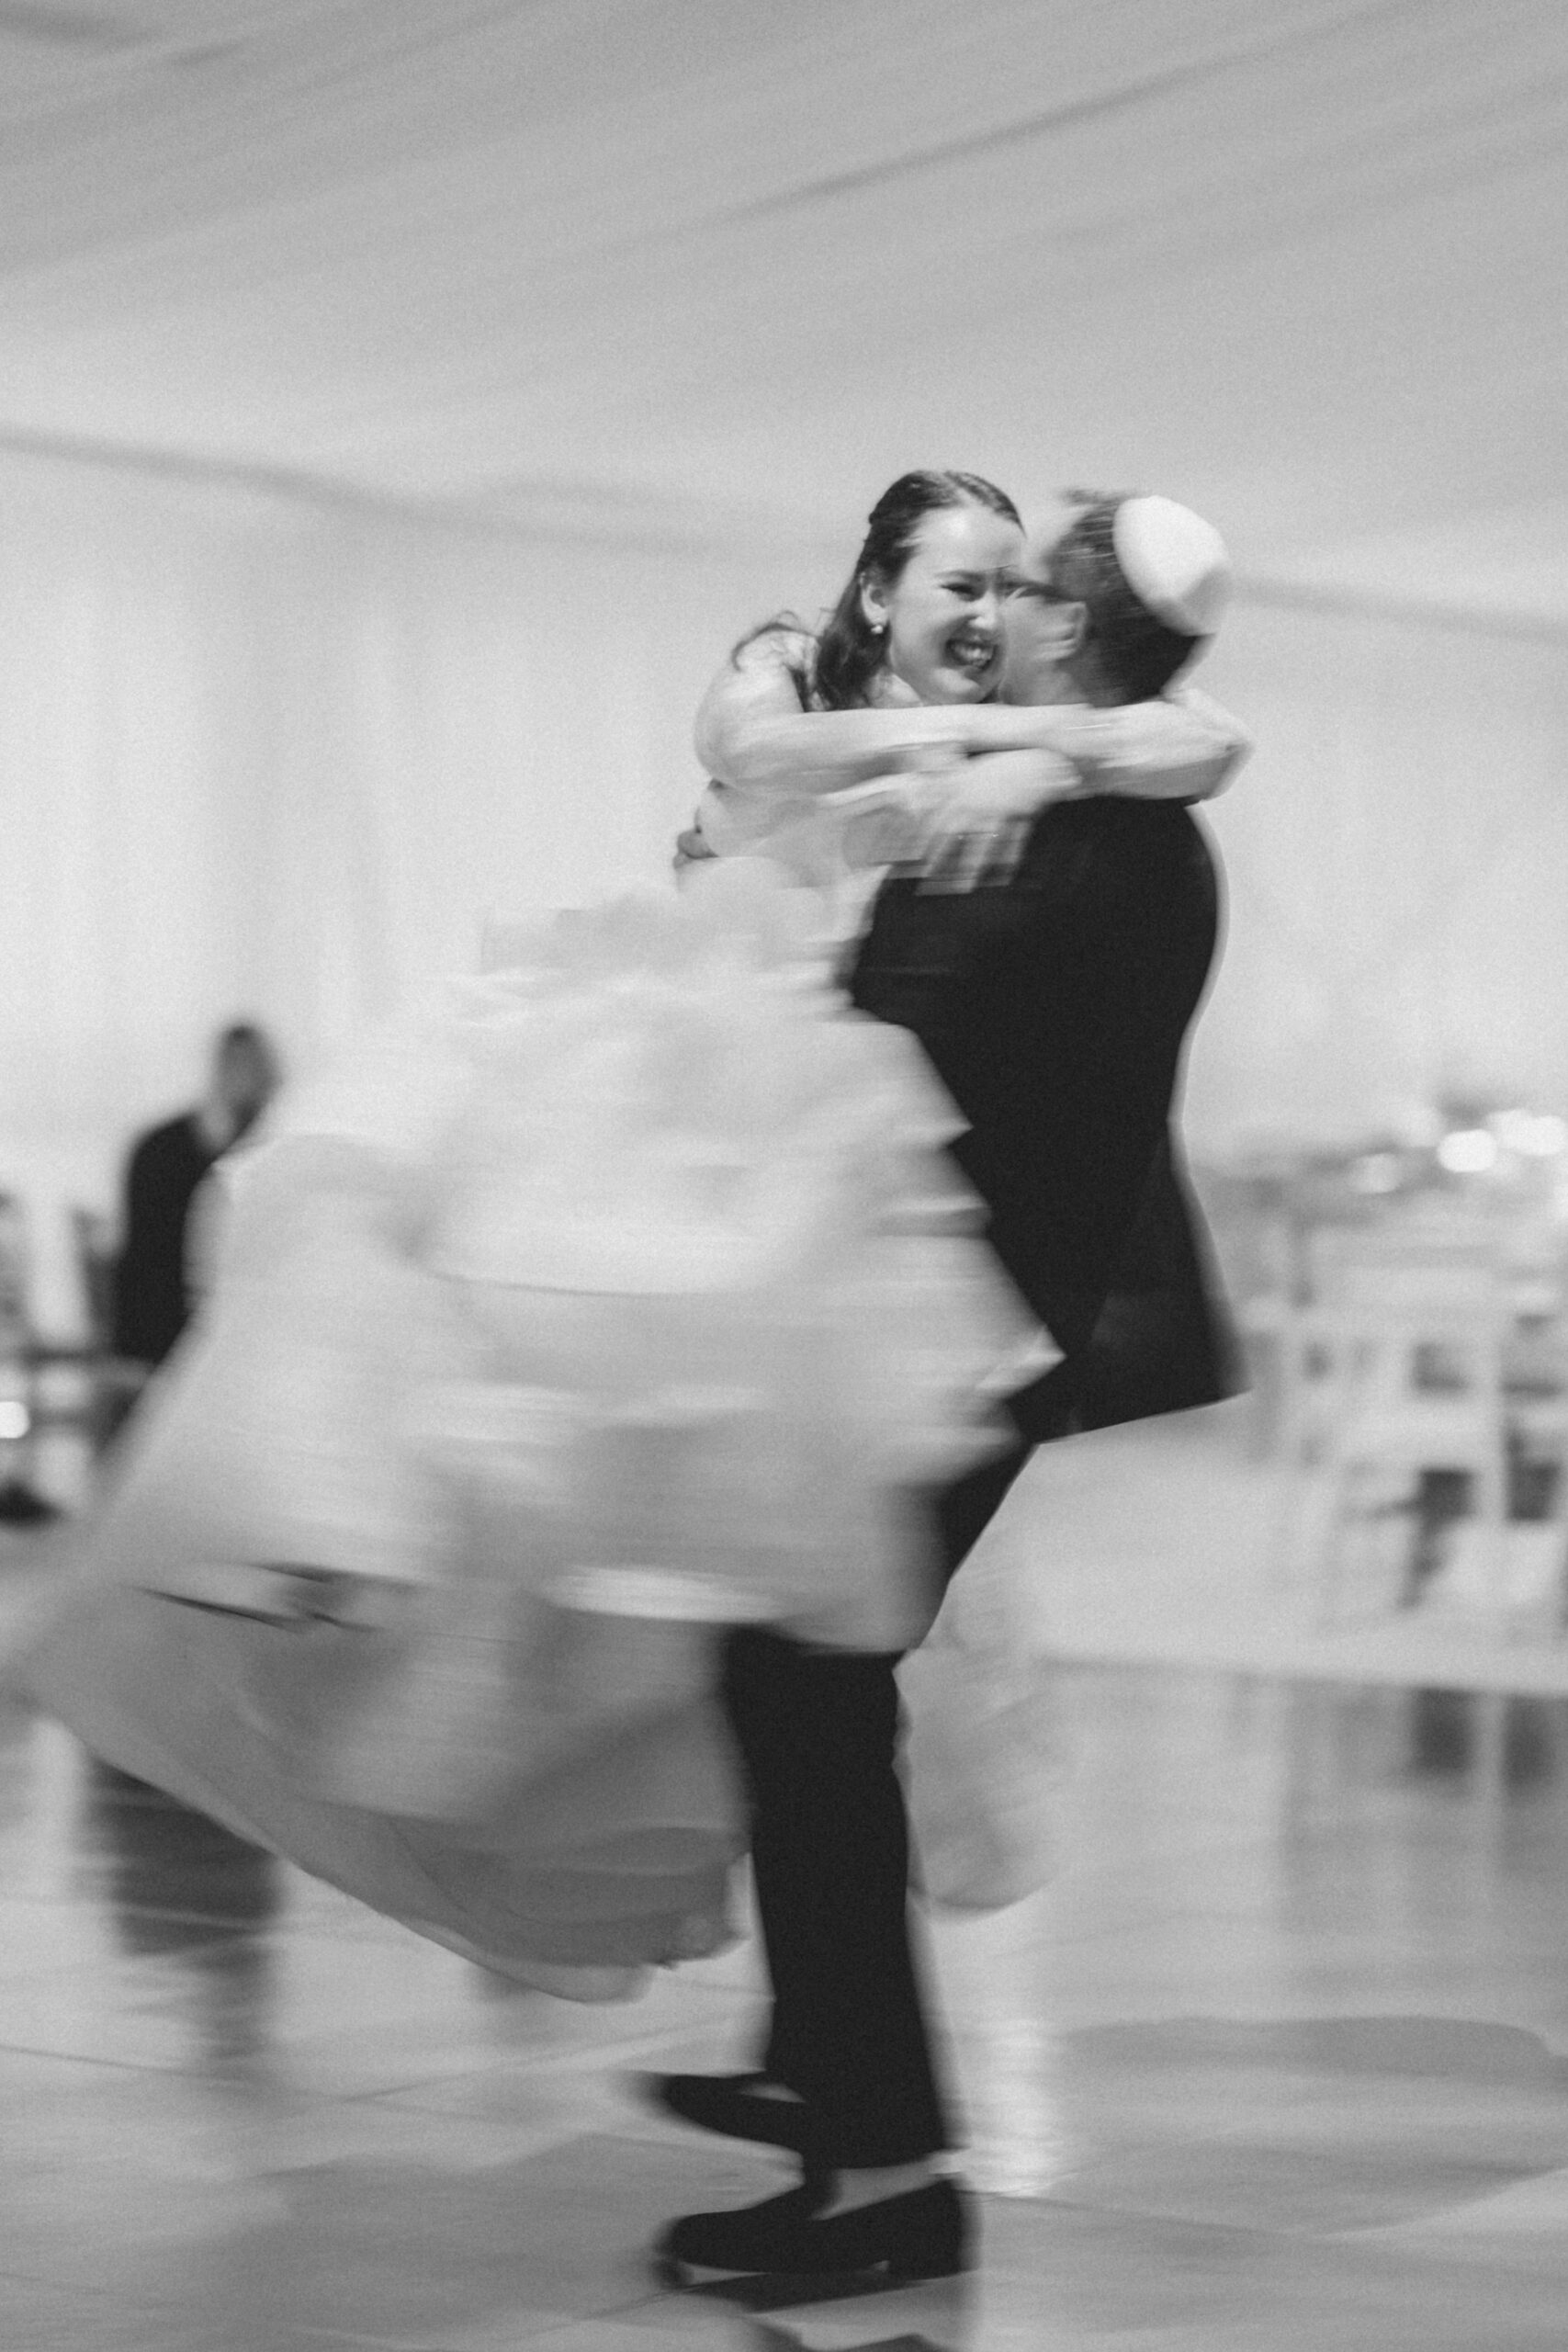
(1056, 1009)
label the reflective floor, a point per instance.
(1272, 2063)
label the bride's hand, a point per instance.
(958, 824)
(973, 820)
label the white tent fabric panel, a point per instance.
(1397, 870)
(714, 265)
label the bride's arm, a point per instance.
(1184, 746)
(752, 732)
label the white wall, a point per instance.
(1397, 858)
(264, 755)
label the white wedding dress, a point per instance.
(621, 1295)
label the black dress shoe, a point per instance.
(924, 2233)
(731, 2104)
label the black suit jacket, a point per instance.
(1056, 1011)
(152, 1297)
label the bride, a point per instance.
(595, 1307)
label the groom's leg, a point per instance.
(817, 1732)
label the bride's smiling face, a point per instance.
(943, 611)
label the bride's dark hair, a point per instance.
(848, 653)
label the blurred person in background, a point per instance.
(152, 1288)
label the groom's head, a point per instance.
(1117, 594)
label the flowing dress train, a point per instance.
(620, 1295)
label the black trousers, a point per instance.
(818, 1733)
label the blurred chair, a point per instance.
(111, 1384)
(21, 1504)
(1399, 1370)
(68, 1379)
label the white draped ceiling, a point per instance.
(404, 402)
(692, 265)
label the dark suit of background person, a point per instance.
(151, 1293)
(1056, 1009)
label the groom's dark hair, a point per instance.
(1138, 653)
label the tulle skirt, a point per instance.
(619, 1298)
